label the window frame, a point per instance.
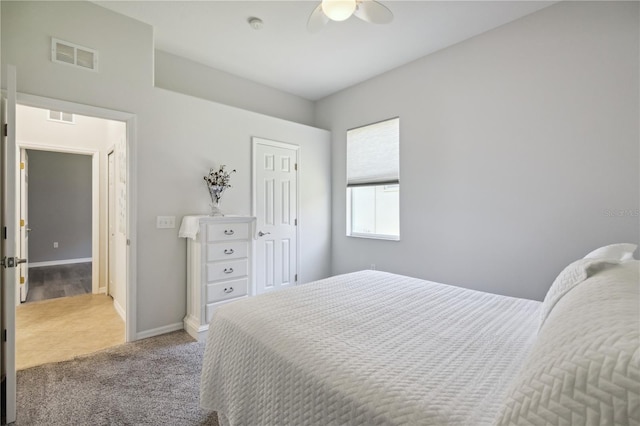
(349, 188)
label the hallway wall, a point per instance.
(59, 206)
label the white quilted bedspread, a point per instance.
(367, 348)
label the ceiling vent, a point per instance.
(61, 117)
(64, 52)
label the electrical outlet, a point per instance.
(55, 244)
(166, 222)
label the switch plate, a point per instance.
(166, 222)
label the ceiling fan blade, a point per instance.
(317, 20)
(374, 12)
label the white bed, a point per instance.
(373, 348)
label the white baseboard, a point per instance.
(59, 262)
(160, 330)
(119, 310)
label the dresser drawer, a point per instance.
(227, 231)
(217, 292)
(211, 307)
(227, 250)
(225, 270)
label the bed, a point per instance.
(374, 348)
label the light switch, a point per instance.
(166, 222)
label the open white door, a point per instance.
(9, 247)
(23, 279)
(275, 205)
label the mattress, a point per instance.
(366, 348)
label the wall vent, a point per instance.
(61, 117)
(64, 52)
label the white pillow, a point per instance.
(583, 367)
(570, 277)
(623, 251)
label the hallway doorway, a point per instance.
(70, 250)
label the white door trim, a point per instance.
(255, 141)
(131, 176)
(95, 199)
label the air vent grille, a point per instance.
(64, 52)
(61, 117)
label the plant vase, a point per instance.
(216, 194)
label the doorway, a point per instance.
(72, 152)
(9, 179)
(56, 218)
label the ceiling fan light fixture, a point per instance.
(338, 10)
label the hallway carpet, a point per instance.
(60, 329)
(49, 282)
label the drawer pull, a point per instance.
(228, 232)
(228, 251)
(228, 270)
(228, 290)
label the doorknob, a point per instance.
(11, 262)
(262, 234)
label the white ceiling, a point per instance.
(284, 55)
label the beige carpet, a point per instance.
(61, 329)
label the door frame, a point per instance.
(131, 173)
(110, 217)
(95, 198)
(255, 141)
(23, 218)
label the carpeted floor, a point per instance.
(153, 381)
(50, 282)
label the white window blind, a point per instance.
(373, 154)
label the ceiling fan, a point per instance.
(340, 10)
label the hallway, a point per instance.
(60, 329)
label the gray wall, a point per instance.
(59, 206)
(519, 151)
(178, 138)
(191, 78)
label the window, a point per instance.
(373, 180)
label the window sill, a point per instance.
(375, 236)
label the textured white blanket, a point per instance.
(367, 348)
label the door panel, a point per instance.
(9, 245)
(275, 208)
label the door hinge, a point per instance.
(4, 335)
(295, 278)
(21, 280)
(295, 167)
(4, 232)
(21, 165)
(295, 222)
(6, 129)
